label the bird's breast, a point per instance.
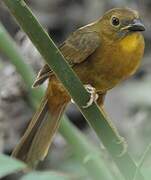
(112, 63)
(131, 50)
(130, 43)
(115, 62)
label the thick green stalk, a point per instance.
(84, 151)
(77, 141)
(102, 126)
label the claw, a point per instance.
(72, 101)
(93, 95)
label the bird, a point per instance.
(102, 54)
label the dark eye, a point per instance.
(115, 21)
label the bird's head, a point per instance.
(120, 22)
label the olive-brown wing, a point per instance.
(75, 49)
(79, 46)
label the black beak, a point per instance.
(137, 25)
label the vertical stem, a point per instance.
(9, 48)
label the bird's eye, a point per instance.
(115, 21)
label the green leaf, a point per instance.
(9, 165)
(46, 176)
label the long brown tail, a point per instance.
(35, 143)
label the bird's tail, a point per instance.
(34, 144)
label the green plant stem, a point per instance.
(9, 48)
(80, 146)
(84, 151)
(144, 156)
(102, 126)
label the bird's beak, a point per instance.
(136, 25)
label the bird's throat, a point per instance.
(130, 42)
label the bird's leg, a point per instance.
(93, 95)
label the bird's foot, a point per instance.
(93, 95)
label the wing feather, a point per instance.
(80, 44)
